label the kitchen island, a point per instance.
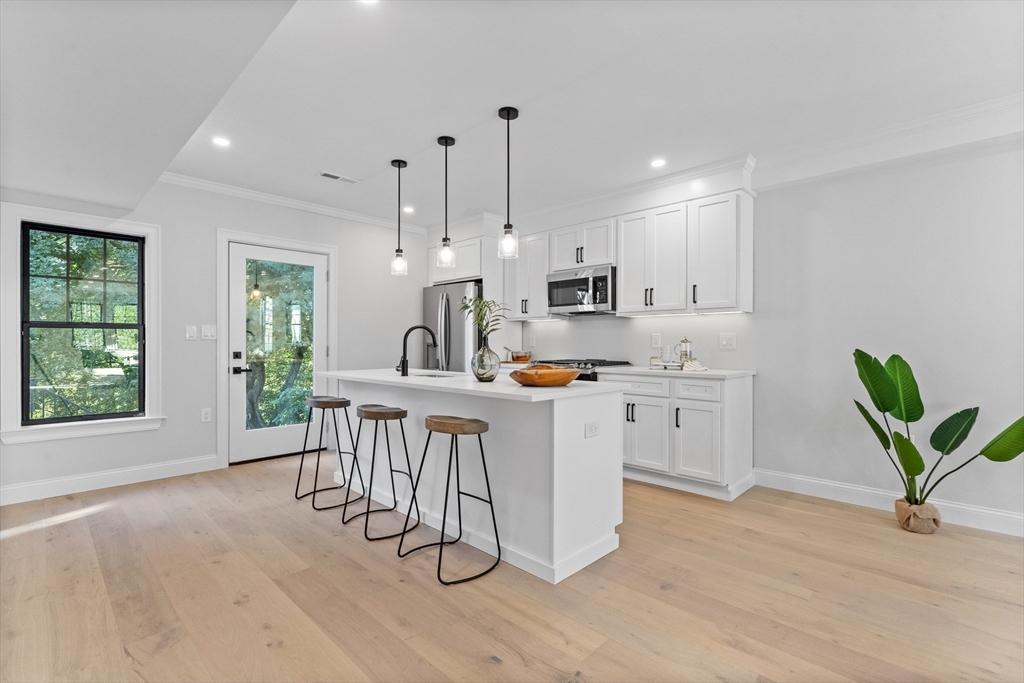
(554, 456)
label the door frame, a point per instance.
(224, 239)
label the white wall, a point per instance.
(924, 259)
(374, 310)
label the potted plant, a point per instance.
(487, 316)
(893, 391)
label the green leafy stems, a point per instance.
(485, 313)
(893, 391)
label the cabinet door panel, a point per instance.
(467, 259)
(597, 240)
(628, 433)
(632, 269)
(564, 245)
(697, 441)
(667, 270)
(514, 295)
(713, 251)
(650, 422)
(535, 287)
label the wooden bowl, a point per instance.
(541, 375)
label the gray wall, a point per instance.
(924, 259)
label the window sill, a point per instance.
(74, 430)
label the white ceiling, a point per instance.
(97, 97)
(603, 88)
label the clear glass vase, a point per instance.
(485, 363)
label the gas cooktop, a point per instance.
(587, 366)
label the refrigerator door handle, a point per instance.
(447, 332)
(440, 332)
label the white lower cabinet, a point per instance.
(646, 441)
(690, 433)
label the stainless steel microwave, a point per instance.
(583, 291)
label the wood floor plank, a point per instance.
(224, 576)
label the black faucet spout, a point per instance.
(403, 365)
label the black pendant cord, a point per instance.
(508, 170)
(446, 192)
(399, 208)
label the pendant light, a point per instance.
(445, 255)
(256, 288)
(508, 245)
(399, 266)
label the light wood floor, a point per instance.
(223, 576)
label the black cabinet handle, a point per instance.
(695, 294)
(627, 412)
(645, 297)
(677, 418)
(652, 296)
(634, 412)
(582, 257)
(526, 306)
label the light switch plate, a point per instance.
(190, 333)
(592, 429)
(205, 415)
(727, 341)
(656, 341)
(209, 331)
(533, 340)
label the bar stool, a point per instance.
(325, 403)
(456, 426)
(379, 413)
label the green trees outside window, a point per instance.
(82, 325)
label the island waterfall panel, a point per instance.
(557, 492)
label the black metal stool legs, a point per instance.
(415, 487)
(453, 453)
(392, 472)
(320, 447)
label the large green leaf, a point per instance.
(910, 458)
(875, 427)
(948, 436)
(1007, 445)
(909, 407)
(876, 380)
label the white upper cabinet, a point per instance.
(687, 258)
(652, 260)
(713, 252)
(590, 244)
(468, 262)
(526, 279)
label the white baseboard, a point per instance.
(726, 493)
(988, 519)
(62, 486)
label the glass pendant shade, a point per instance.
(508, 245)
(445, 254)
(399, 266)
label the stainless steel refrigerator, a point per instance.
(457, 338)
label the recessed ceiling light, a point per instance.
(408, 209)
(221, 142)
(658, 163)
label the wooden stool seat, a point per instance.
(374, 411)
(327, 402)
(447, 424)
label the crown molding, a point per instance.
(965, 125)
(744, 163)
(299, 205)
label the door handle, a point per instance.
(695, 294)
(677, 418)
(239, 370)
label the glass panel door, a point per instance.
(278, 340)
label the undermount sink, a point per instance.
(424, 375)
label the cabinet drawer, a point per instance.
(643, 386)
(700, 390)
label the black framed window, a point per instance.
(83, 327)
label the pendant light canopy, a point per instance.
(445, 254)
(508, 245)
(399, 266)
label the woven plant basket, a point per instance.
(921, 519)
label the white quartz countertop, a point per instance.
(675, 374)
(503, 387)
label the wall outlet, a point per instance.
(190, 333)
(656, 341)
(533, 340)
(209, 331)
(727, 341)
(592, 429)
(206, 415)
